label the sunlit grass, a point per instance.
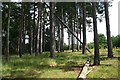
(42, 66)
(30, 66)
(108, 67)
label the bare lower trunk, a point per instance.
(44, 38)
(24, 26)
(77, 40)
(38, 29)
(80, 35)
(30, 31)
(77, 26)
(52, 30)
(109, 41)
(73, 41)
(96, 42)
(34, 32)
(69, 40)
(21, 34)
(62, 33)
(8, 25)
(84, 28)
(58, 37)
(44, 22)
(41, 37)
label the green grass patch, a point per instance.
(63, 66)
(30, 66)
(108, 67)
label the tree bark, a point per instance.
(72, 38)
(52, 30)
(80, 27)
(34, 28)
(45, 16)
(69, 46)
(41, 30)
(96, 42)
(62, 32)
(59, 37)
(30, 31)
(72, 33)
(38, 29)
(41, 36)
(77, 26)
(84, 28)
(109, 41)
(77, 40)
(80, 34)
(1, 44)
(8, 25)
(20, 34)
(24, 25)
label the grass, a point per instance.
(43, 67)
(108, 67)
(65, 65)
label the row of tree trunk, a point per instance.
(36, 36)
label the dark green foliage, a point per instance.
(66, 47)
(116, 41)
(90, 45)
(102, 40)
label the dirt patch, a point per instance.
(77, 69)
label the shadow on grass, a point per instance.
(31, 66)
(104, 57)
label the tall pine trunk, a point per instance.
(62, 32)
(80, 27)
(69, 34)
(72, 37)
(76, 24)
(44, 22)
(41, 29)
(109, 41)
(84, 28)
(34, 28)
(30, 30)
(38, 28)
(20, 34)
(52, 30)
(77, 36)
(24, 25)
(58, 36)
(1, 50)
(8, 25)
(96, 42)
(41, 37)
(69, 47)
(80, 34)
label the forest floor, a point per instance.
(66, 65)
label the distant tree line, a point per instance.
(116, 41)
(103, 42)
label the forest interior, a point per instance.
(33, 41)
